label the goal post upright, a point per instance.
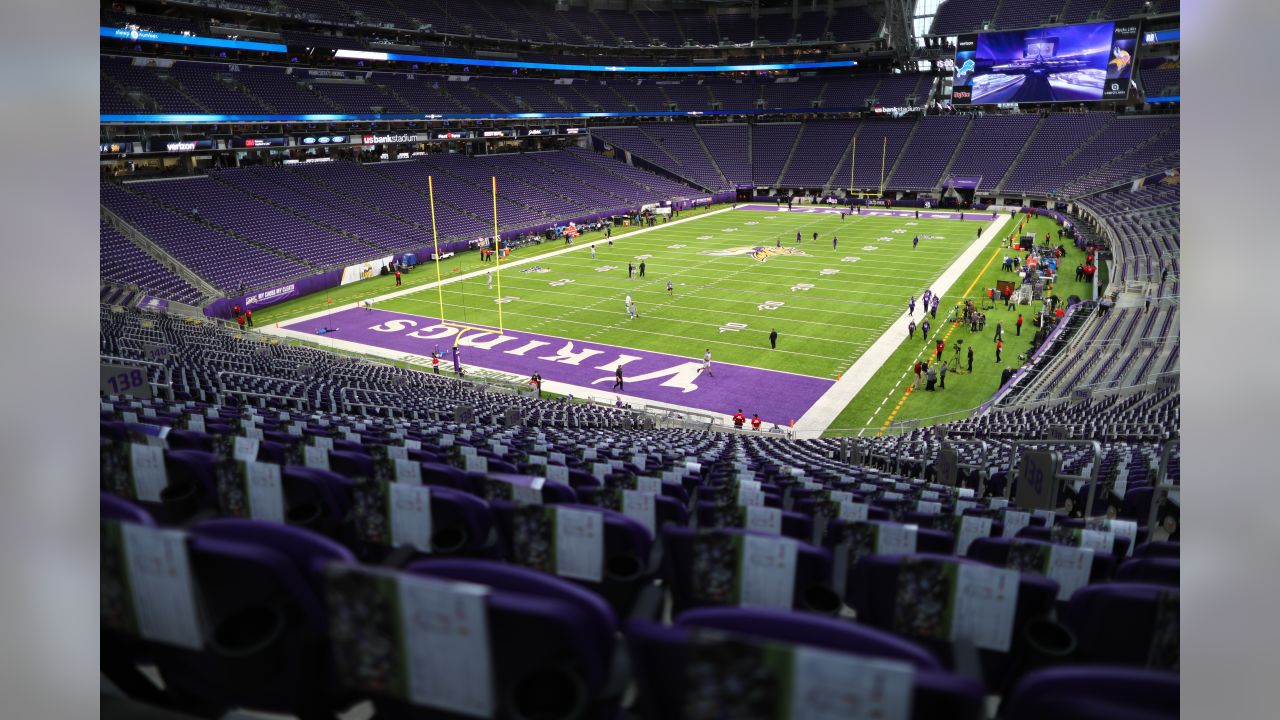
(435, 246)
(853, 156)
(496, 243)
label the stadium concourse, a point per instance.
(526, 359)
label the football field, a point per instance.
(735, 276)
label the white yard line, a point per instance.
(824, 412)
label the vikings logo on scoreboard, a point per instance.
(759, 252)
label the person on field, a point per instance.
(773, 339)
(617, 379)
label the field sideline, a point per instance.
(732, 284)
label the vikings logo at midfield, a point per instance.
(759, 252)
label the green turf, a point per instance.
(822, 329)
(963, 391)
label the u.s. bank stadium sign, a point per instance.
(381, 139)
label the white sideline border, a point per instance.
(822, 413)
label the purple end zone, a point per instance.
(969, 215)
(779, 397)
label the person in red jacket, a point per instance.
(397, 278)
(755, 421)
(435, 363)
(738, 419)
(1019, 324)
(940, 346)
(240, 320)
(999, 347)
(248, 316)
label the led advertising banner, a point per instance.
(1071, 63)
(133, 34)
(180, 145)
(257, 142)
(324, 139)
(482, 62)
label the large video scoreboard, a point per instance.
(1069, 63)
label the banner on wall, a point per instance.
(364, 270)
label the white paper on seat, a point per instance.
(749, 498)
(146, 462)
(649, 485)
(985, 600)
(642, 507)
(932, 508)
(743, 475)
(558, 473)
(315, 457)
(765, 519)
(556, 457)
(962, 505)
(673, 476)
(265, 493)
(589, 454)
(397, 452)
(321, 441)
(445, 440)
(895, 539)
(352, 437)
(1015, 520)
(446, 641)
(580, 544)
(600, 470)
(640, 460)
(748, 485)
(853, 512)
(827, 685)
(767, 576)
(842, 496)
(245, 449)
(410, 516)
(477, 463)
(930, 495)
(409, 472)
(537, 460)
(1069, 566)
(410, 444)
(971, 528)
(164, 601)
(1103, 541)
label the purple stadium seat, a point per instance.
(812, 592)
(1126, 623)
(1094, 692)
(660, 655)
(875, 598)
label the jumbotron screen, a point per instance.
(1070, 63)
